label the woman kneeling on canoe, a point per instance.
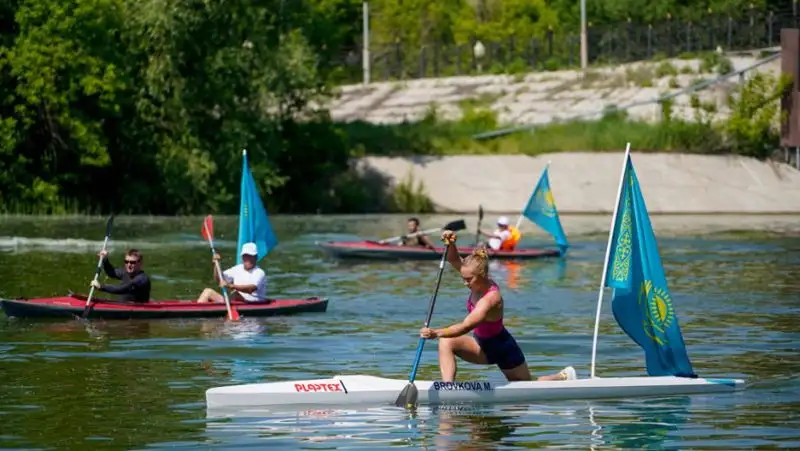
(491, 343)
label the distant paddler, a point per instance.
(491, 343)
(505, 237)
(417, 237)
(246, 280)
(134, 283)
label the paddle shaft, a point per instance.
(431, 305)
(454, 226)
(96, 274)
(480, 218)
(219, 272)
(398, 238)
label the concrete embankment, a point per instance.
(588, 182)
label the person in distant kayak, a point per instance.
(491, 343)
(246, 282)
(505, 237)
(414, 237)
(135, 283)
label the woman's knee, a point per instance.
(447, 345)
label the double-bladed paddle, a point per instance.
(88, 308)
(455, 226)
(408, 397)
(208, 234)
(480, 218)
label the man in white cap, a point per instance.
(502, 237)
(245, 282)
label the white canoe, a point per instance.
(371, 390)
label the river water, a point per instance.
(735, 282)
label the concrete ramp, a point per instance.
(588, 182)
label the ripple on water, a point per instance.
(141, 384)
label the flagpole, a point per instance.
(522, 216)
(605, 263)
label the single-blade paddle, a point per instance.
(408, 397)
(208, 234)
(88, 308)
(455, 226)
(480, 218)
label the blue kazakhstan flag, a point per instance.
(541, 210)
(641, 302)
(254, 223)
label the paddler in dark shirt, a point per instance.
(414, 238)
(135, 283)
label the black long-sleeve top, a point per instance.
(133, 287)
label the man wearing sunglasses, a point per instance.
(135, 283)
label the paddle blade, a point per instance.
(408, 397)
(455, 226)
(208, 228)
(480, 212)
(109, 224)
(234, 314)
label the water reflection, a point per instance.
(648, 423)
(462, 431)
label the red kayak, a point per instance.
(67, 306)
(378, 251)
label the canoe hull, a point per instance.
(73, 305)
(375, 251)
(370, 390)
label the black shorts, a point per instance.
(501, 350)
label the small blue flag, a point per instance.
(254, 223)
(641, 302)
(541, 210)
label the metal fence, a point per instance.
(621, 43)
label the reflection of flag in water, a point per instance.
(541, 210)
(641, 301)
(254, 223)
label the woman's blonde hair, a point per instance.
(479, 260)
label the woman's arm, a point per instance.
(448, 236)
(478, 315)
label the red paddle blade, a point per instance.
(208, 228)
(234, 314)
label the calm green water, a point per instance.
(141, 384)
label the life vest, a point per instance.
(510, 243)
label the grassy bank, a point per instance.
(751, 129)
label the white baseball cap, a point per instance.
(249, 249)
(502, 220)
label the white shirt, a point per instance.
(495, 243)
(237, 275)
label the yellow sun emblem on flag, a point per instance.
(657, 307)
(546, 202)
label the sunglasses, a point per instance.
(131, 262)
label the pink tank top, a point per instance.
(486, 329)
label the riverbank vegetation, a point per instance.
(144, 106)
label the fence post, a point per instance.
(689, 36)
(669, 35)
(532, 56)
(423, 53)
(629, 40)
(730, 33)
(769, 29)
(365, 47)
(711, 26)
